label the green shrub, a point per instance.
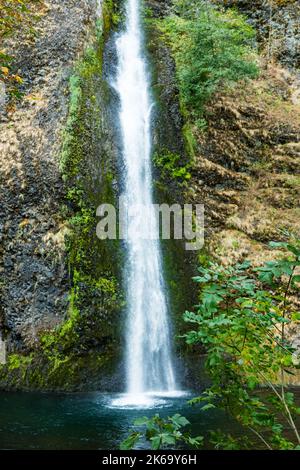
(242, 320)
(169, 164)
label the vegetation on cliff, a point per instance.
(210, 48)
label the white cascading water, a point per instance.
(149, 366)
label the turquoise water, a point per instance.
(84, 421)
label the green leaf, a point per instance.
(294, 249)
(207, 407)
(278, 244)
(168, 439)
(252, 382)
(196, 441)
(202, 279)
(266, 276)
(130, 442)
(155, 442)
(179, 421)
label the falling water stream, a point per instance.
(149, 368)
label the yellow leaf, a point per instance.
(24, 223)
(4, 70)
(18, 79)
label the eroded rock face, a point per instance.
(34, 280)
(275, 21)
(247, 171)
(159, 7)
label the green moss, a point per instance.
(17, 361)
(95, 295)
(73, 147)
(169, 164)
(189, 140)
(204, 258)
(292, 181)
(111, 15)
(56, 373)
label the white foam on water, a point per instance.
(146, 400)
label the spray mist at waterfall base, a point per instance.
(146, 400)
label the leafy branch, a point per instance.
(242, 321)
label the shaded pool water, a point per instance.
(86, 421)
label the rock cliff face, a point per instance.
(247, 168)
(275, 20)
(34, 278)
(249, 154)
(60, 293)
(247, 172)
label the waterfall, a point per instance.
(149, 366)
